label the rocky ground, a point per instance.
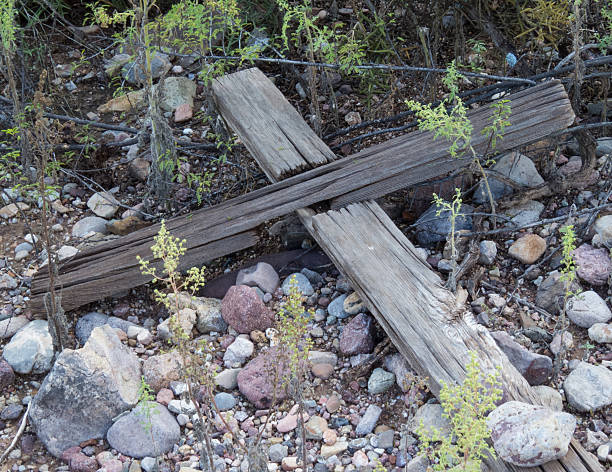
(362, 400)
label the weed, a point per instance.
(454, 210)
(466, 406)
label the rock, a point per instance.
(431, 229)
(430, 416)
(352, 118)
(603, 227)
(528, 249)
(353, 304)
(528, 435)
(84, 391)
(488, 252)
(158, 371)
(139, 169)
(225, 401)
(148, 430)
(418, 464)
(115, 63)
(177, 91)
(380, 381)
(261, 275)
(551, 292)
(13, 209)
(134, 73)
(514, 166)
(86, 324)
(66, 252)
(549, 397)
(277, 452)
(209, 316)
(148, 464)
(526, 213)
(7, 282)
(103, 204)
(227, 379)
(588, 387)
(186, 320)
(322, 371)
(303, 284)
(244, 311)
(256, 380)
(601, 333)
(182, 406)
(536, 368)
(604, 145)
(239, 351)
(594, 265)
(358, 336)
(9, 326)
(588, 308)
(336, 308)
(368, 420)
(322, 357)
(11, 412)
(287, 423)
(7, 376)
(337, 448)
(79, 462)
(89, 224)
(566, 339)
(124, 103)
(30, 350)
(315, 427)
(183, 113)
(397, 364)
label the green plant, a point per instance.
(466, 406)
(454, 210)
(604, 37)
(449, 120)
(547, 20)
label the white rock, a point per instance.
(30, 349)
(103, 204)
(588, 308)
(588, 387)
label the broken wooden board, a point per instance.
(112, 267)
(423, 319)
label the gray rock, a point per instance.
(261, 275)
(601, 333)
(380, 381)
(227, 379)
(209, 316)
(603, 228)
(430, 416)
(66, 252)
(488, 252)
(89, 224)
(182, 406)
(385, 439)
(86, 324)
(84, 391)
(186, 319)
(11, 412)
(114, 65)
(30, 350)
(536, 368)
(277, 452)
(588, 387)
(593, 265)
(312, 276)
(9, 326)
(604, 145)
(148, 464)
(7, 282)
(514, 166)
(322, 357)
(225, 401)
(549, 397)
(526, 213)
(431, 229)
(399, 366)
(239, 351)
(418, 464)
(588, 308)
(133, 72)
(160, 370)
(148, 430)
(103, 204)
(551, 292)
(528, 435)
(368, 420)
(27, 247)
(336, 307)
(177, 91)
(303, 284)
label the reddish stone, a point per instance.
(244, 311)
(164, 396)
(256, 380)
(7, 376)
(68, 453)
(183, 112)
(79, 462)
(322, 371)
(358, 336)
(593, 264)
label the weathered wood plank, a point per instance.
(421, 317)
(248, 101)
(398, 163)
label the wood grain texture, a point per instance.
(421, 317)
(222, 229)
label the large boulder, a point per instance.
(244, 311)
(30, 350)
(84, 391)
(528, 435)
(149, 430)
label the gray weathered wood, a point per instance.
(212, 232)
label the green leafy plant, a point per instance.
(604, 37)
(449, 120)
(466, 406)
(453, 208)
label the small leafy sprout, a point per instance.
(568, 263)
(499, 121)
(454, 210)
(466, 406)
(149, 407)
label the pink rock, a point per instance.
(79, 462)
(286, 424)
(256, 380)
(322, 371)
(7, 376)
(358, 336)
(113, 465)
(261, 275)
(594, 265)
(244, 311)
(183, 112)
(68, 453)
(164, 396)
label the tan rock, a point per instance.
(353, 304)
(528, 249)
(126, 225)
(335, 449)
(124, 102)
(12, 209)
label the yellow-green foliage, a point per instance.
(466, 406)
(168, 250)
(292, 326)
(149, 407)
(548, 20)
(7, 24)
